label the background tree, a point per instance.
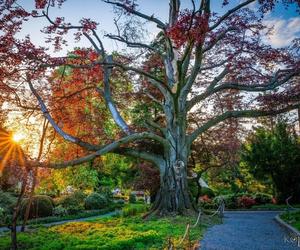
(275, 155)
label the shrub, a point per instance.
(230, 200)
(121, 202)
(60, 211)
(73, 203)
(208, 192)
(132, 198)
(207, 203)
(7, 202)
(95, 201)
(262, 198)
(241, 200)
(41, 206)
(134, 209)
(106, 191)
(5, 217)
(245, 202)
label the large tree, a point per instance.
(197, 55)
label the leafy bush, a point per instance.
(95, 201)
(106, 191)
(41, 206)
(134, 209)
(120, 201)
(60, 211)
(73, 203)
(5, 217)
(132, 198)
(7, 202)
(245, 202)
(207, 203)
(230, 200)
(262, 198)
(208, 192)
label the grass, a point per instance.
(83, 214)
(292, 218)
(112, 233)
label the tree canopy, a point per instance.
(204, 65)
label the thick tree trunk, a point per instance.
(173, 196)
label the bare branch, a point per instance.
(109, 101)
(274, 83)
(154, 158)
(191, 78)
(65, 135)
(173, 11)
(228, 13)
(106, 149)
(159, 23)
(239, 114)
(131, 44)
(218, 38)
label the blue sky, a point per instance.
(285, 21)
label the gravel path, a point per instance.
(248, 231)
(5, 229)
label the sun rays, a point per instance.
(18, 137)
(10, 150)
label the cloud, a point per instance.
(284, 31)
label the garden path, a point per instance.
(248, 231)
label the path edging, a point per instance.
(287, 226)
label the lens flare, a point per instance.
(10, 151)
(17, 137)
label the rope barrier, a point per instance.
(185, 234)
(220, 210)
(289, 206)
(188, 227)
(198, 219)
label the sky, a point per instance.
(286, 22)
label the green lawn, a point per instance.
(83, 214)
(292, 218)
(111, 233)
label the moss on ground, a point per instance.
(112, 233)
(292, 218)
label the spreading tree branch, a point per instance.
(239, 114)
(60, 131)
(271, 85)
(230, 12)
(112, 147)
(130, 10)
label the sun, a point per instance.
(17, 137)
